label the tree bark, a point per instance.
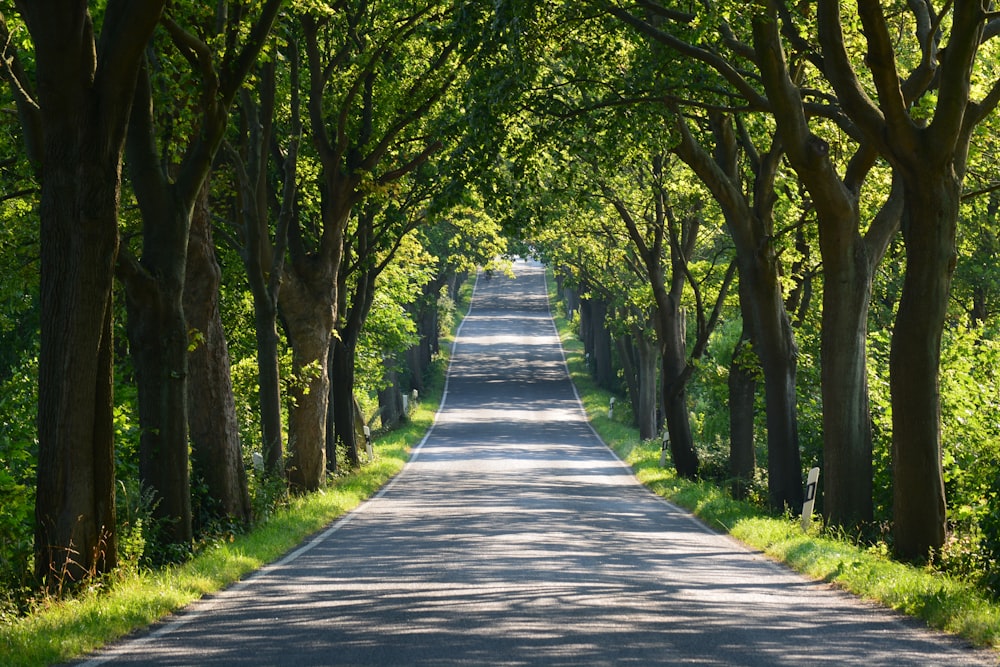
(155, 282)
(216, 453)
(666, 235)
(307, 303)
(158, 338)
(673, 357)
(425, 314)
(930, 158)
(929, 228)
(849, 263)
(390, 399)
(341, 432)
(83, 110)
(847, 432)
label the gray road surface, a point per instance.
(514, 537)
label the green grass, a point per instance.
(942, 602)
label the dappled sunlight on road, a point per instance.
(514, 537)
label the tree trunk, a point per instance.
(269, 382)
(308, 315)
(847, 434)
(587, 330)
(158, 337)
(263, 258)
(929, 227)
(639, 357)
(742, 392)
(774, 343)
(647, 363)
(341, 429)
(156, 327)
(75, 497)
(216, 453)
(628, 355)
(673, 352)
(425, 314)
(601, 341)
(167, 193)
(82, 111)
(778, 356)
(390, 399)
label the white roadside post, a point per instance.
(368, 443)
(611, 408)
(812, 482)
(664, 446)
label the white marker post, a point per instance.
(664, 446)
(368, 444)
(611, 408)
(812, 483)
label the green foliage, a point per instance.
(18, 452)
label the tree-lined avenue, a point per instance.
(515, 537)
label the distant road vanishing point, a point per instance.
(515, 537)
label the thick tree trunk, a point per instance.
(776, 349)
(158, 337)
(847, 435)
(75, 499)
(156, 327)
(308, 315)
(216, 453)
(751, 224)
(742, 392)
(673, 352)
(82, 112)
(167, 194)
(929, 228)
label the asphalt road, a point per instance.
(515, 537)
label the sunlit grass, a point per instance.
(940, 601)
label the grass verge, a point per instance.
(63, 630)
(942, 602)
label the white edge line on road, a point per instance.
(181, 619)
